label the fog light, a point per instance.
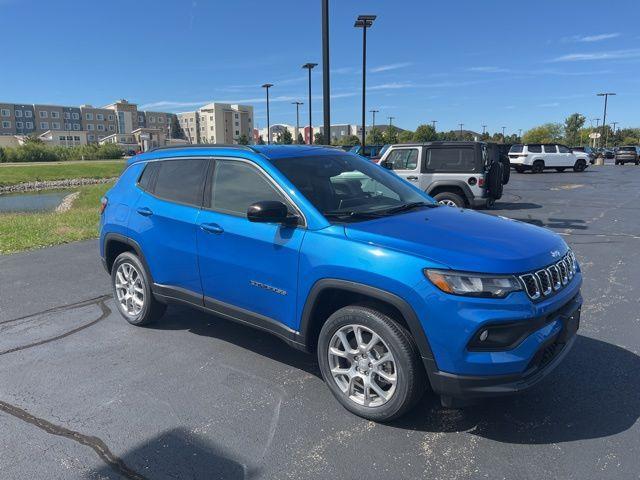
(483, 336)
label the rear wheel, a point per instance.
(537, 167)
(132, 291)
(580, 165)
(560, 169)
(450, 199)
(370, 363)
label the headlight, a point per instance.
(472, 284)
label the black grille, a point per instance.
(545, 282)
(555, 277)
(531, 285)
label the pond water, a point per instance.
(31, 201)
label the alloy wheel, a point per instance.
(448, 203)
(362, 365)
(129, 288)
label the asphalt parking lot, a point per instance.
(85, 395)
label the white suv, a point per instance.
(538, 156)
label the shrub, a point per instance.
(38, 152)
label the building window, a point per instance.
(100, 127)
(140, 119)
(29, 124)
(152, 119)
(160, 119)
(43, 114)
(18, 113)
(76, 138)
(55, 114)
(62, 139)
(236, 115)
(6, 124)
(89, 116)
(19, 125)
(76, 126)
(28, 113)
(90, 126)
(5, 112)
(237, 124)
(112, 128)
(237, 132)
(44, 125)
(91, 138)
(75, 116)
(211, 118)
(67, 115)
(55, 126)
(111, 117)
(99, 116)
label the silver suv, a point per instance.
(457, 174)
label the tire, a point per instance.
(404, 368)
(580, 165)
(560, 169)
(130, 281)
(450, 199)
(637, 162)
(537, 167)
(519, 169)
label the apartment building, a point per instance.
(189, 123)
(217, 123)
(98, 122)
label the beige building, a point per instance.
(64, 139)
(218, 123)
(98, 122)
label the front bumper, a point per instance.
(549, 354)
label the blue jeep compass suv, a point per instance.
(337, 255)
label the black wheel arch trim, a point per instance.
(452, 183)
(399, 303)
(117, 237)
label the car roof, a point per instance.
(271, 152)
(447, 143)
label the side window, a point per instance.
(403, 158)
(236, 185)
(563, 149)
(146, 179)
(181, 180)
(534, 148)
(451, 160)
(550, 149)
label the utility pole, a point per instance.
(309, 67)
(433, 123)
(267, 86)
(364, 22)
(391, 119)
(604, 116)
(326, 90)
(373, 123)
(503, 129)
(461, 125)
(297, 104)
(484, 129)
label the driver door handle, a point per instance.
(212, 228)
(145, 211)
(412, 177)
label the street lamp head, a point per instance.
(606, 93)
(309, 65)
(364, 21)
(297, 103)
(267, 85)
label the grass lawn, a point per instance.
(23, 231)
(14, 174)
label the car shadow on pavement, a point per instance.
(263, 343)
(594, 393)
(177, 453)
(557, 223)
(515, 206)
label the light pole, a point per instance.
(391, 119)
(461, 125)
(267, 86)
(373, 123)
(433, 123)
(520, 134)
(613, 129)
(326, 95)
(604, 116)
(309, 67)
(503, 129)
(364, 22)
(297, 104)
(484, 129)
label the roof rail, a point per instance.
(203, 145)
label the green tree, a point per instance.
(243, 140)
(300, 139)
(286, 137)
(572, 126)
(318, 139)
(390, 135)
(425, 133)
(374, 137)
(547, 133)
(406, 136)
(349, 140)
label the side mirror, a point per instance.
(387, 165)
(270, 211)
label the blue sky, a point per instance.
(499, 63)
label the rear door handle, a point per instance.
(412, 177)
(146, 211)
(212, 228)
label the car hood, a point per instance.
(463, 239)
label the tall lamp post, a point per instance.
(604, 116)
(297, 104)
(433, 123)
(309, 67)
(461, 125)
(391, 119)
(373, 123)
(503, 129)
(326, 94)
(267, 86)
(364, 22)
(484, 129)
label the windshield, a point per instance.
(350, 188)
(516, 149)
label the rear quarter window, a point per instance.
(516, 148)
(181, 181)
(145, 181)
(451, 160)
(534, 148)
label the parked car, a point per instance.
(627, 154)
(538, 157)
(457, 174)
(393, 292)
(605, 153)
(376, 158)
(588, 150)
(367, 151)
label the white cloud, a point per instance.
(609, 55)
(391, 66)
(169, 104)
(591, 38)
(488, 69)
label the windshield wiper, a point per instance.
(351, 214)
(409, 206)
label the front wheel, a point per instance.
(449, 199)
(537, 167)
(370, 363)
(132, 291)
(580, 166)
